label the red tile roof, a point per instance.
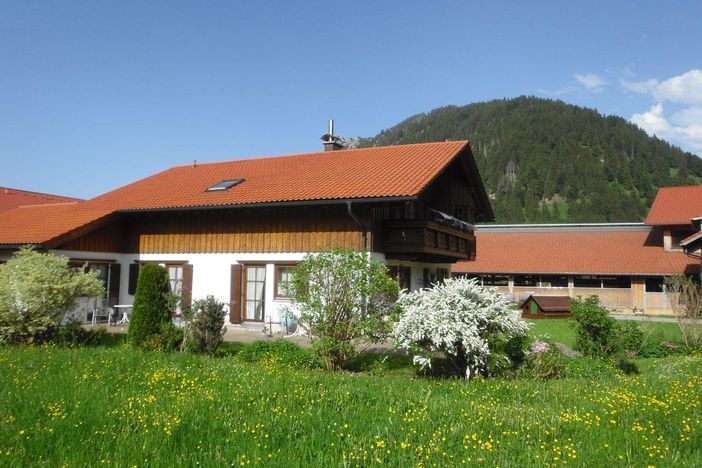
(550, 303)
(393, 171)
(676, 205)
(613, 249)
(12, 198)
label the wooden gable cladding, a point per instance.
(107, 238)
(254, 230)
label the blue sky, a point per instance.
(96, 94)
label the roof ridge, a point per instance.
(341, 151)
(31, 192)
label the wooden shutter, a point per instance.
(235, 294)
(133, 277)
(187, 291)
(113, 287)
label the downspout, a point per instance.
(364, 229)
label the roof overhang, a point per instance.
(334, 201)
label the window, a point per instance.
(676, 237)
(526, 280)
(587, 281)
(224, 185)
(495, 280)
(175, 278)
(616, 282)
(654, 284)
(403, 276)
(283, 276)
(254, 292)
(101, 268)
(593, 281)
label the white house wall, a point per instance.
(212, 272)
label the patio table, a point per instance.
(125, 313)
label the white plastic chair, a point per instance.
(102, 311)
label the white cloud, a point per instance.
(684, 127)
(591, 81)
(686, 135)
(685, 88)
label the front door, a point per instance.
(254, 291)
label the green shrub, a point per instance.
(343, 297)
(652, 350)
(151, 305)
(74, 334)
(587, 368)
(168, 339)
(625, 364)
(206, 326)
(595, 331)
(544, 365)
(630, 336)
(279, 352)
(36, 291)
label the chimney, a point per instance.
(332, 142)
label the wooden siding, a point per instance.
(295, 229)
(452, 190)
(108, 238)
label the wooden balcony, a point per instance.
(426, 241)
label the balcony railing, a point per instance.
(422, 240)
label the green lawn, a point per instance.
(561, 330)
(115, 406)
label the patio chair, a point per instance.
(101, 311)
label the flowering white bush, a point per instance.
(458, 318)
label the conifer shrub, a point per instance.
(151, 306)
(206, 325)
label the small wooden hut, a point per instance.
(536, 307)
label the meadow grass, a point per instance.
(120, 407)
(561, 330)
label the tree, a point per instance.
(151, 305)
(685, 296)
(36, 291)
(459, 318)
(344, 298)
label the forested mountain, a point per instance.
(547, 161)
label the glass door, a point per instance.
(255, 287)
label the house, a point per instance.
(236, 229)
(623, 263)
(536, 307)
(12, 198)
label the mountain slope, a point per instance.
(548, 161)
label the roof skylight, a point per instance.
(224, 185)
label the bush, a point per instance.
(625, 364)
(151, 305)
(278, 352)
(543, 361)
(36, 291)
(595, 330)
(630, 336)
(462, 320)
(588, 368)
(168, 339)
(206, 327)
(343, 297)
